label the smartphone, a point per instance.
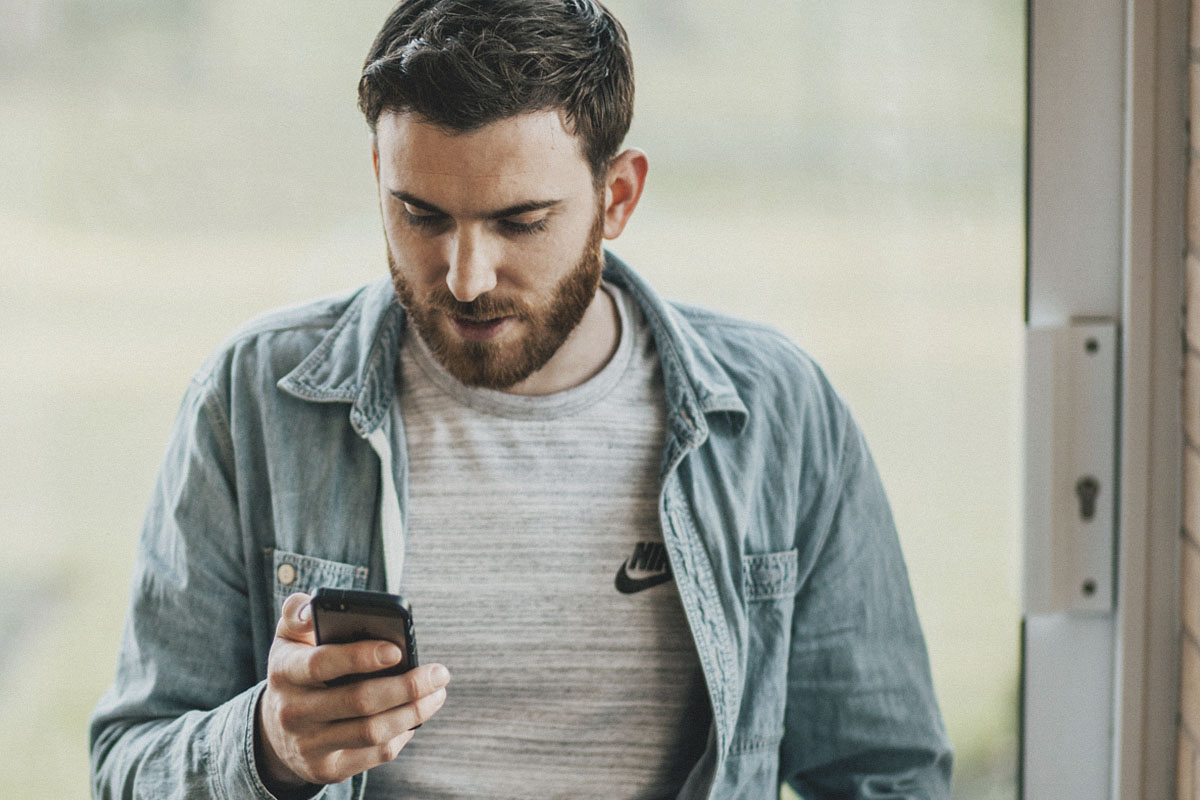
(349, 615)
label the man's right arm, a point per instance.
(187, 715)
(178, 719)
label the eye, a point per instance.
(519, 228)
(419, 218)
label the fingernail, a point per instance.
(305, 612)
(388, 654)
(440, 675)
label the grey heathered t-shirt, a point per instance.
(536, 570)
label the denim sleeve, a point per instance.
(178, 720)
(862, 720)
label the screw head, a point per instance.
(1089, 587)
(1092, 345)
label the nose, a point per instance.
(472, 263)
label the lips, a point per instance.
(479, 331)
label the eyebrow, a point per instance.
(508, 211)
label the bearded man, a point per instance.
(647, 540)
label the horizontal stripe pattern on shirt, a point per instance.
(522, 512)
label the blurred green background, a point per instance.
(850, 172)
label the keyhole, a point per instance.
(1087, 489)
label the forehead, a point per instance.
(529, 154)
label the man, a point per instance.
(647, 540)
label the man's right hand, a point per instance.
(310, 733)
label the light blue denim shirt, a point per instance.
(284, 469)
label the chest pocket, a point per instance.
(769, 584)
(293, 572)
(770, 576)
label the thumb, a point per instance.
(295, 621)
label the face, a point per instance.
(493, 239)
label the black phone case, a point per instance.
(350, 615)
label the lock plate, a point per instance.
(1070, 431)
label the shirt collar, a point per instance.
(355, 362)
(697, 386)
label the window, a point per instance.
(853, 174)
(849, 172)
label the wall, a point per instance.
(1189, 700)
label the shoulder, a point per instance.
(756, 356)
(785, 391)
(273, 343)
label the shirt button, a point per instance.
(286, 574)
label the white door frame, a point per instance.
(1106, 236)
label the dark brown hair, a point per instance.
(462, 64)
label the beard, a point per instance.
(542, 324)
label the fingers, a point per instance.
(376, 695)
(379, 729)
(326, 734)
(367, 697)
(356, 658)
(340, 746)
(295, 621)
(339, 765)
(313, 667)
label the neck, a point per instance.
(585, 352)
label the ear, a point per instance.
(622, 189)
(375, 157)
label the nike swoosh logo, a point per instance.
(628, 585)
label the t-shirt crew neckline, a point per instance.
(542, 407)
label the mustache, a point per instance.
(481, 309)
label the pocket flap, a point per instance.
(293, 572)
(769, 575)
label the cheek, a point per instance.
(398, 232)
(412, 251)
(539, 265)
(561, 250)
(412, 259)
